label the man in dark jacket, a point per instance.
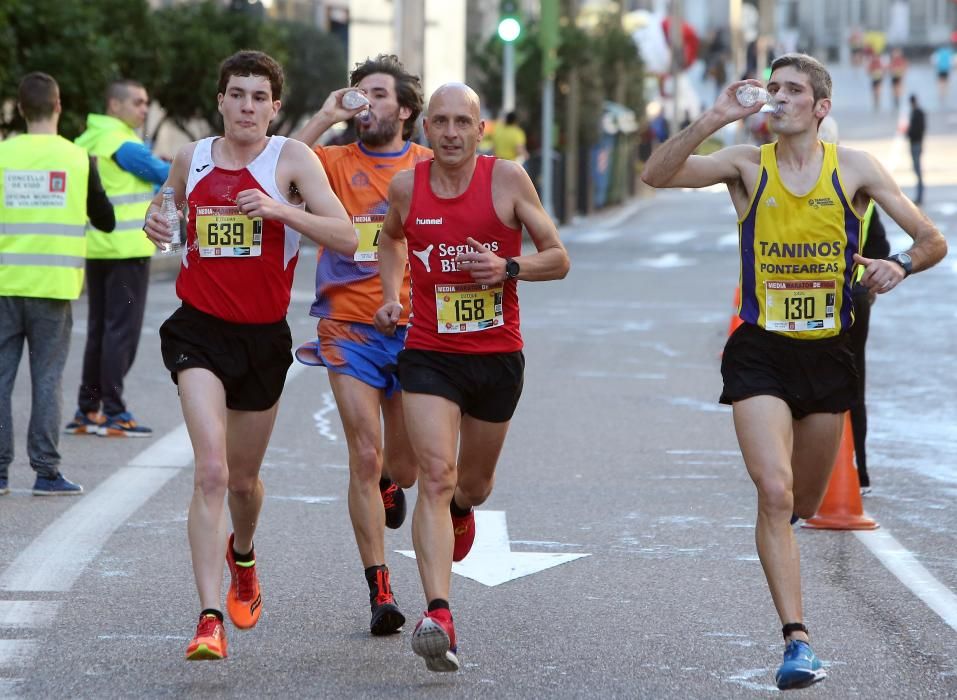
(915, 134)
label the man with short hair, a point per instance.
(48, 189)
(228, 346)
(457, 222)
(788, 369)
(118, 264)
(361, 360)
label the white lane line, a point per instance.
(55, 559)
(14, 652)
(904, 565)
(28, 614)
(172, 450)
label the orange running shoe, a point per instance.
(244, 601)
(209, 644)
(464, 530)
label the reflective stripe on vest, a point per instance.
(43, 189)
(129, 194)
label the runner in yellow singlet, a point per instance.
(788, 370)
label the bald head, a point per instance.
(455, 94)
(454, 125)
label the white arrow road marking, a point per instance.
(492, 562)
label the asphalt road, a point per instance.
(618, 451)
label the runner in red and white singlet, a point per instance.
(462, 370)
(228, 346)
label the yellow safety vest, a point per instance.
(129, 194)
(43, 188)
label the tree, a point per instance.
(316, 65)
(79, 44)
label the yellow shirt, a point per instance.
(506, 140)
(797, 253)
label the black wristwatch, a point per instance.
(902, 259)
(511, 269)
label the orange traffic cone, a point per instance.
(735, 319)
(842, 508)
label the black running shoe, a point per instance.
(393, 500)
(386, 617)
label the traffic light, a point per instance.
(509, 21)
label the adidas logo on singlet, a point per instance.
(428, 222)
(770, 202)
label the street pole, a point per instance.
(549, 42)
(508, 77)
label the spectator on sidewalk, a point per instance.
(915, 134)
(508, 140)
(118, 264)
(48, 188)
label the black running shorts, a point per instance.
(486, 387)
(811, 376)
(250, 359)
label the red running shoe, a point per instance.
(209, 644)
(244, 601)
(464, 530)
(434, 640)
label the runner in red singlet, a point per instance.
(228, 346)
(460, 216)
(361, 360)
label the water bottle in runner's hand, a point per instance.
(750, 95)
(355, 99)
(170, 214)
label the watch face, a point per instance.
(904, 258)
(511, 268)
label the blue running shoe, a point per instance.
(4, 486)
(123, 425)
(60, 486)
(801, 667)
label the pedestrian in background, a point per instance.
(875, 71)
(118, 264)
(876, 246)
(897, 68)
(943, 59)
(508, 140)
(48, 189)
(916, 126)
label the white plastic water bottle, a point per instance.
(171, 216)
(750, 95)
(355, 99)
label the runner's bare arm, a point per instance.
(393, 255)
(875, 182)
(155, 226)
(673, 164)
(325, 221)
(551, 261)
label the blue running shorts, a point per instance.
(358, 350)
